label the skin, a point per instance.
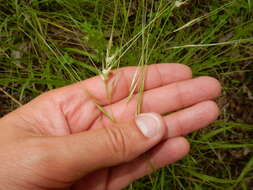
(61, 140)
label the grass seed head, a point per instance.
(180, 3)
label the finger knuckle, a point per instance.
(117, 143)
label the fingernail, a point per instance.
(149, 124)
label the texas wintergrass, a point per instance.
(51, 43)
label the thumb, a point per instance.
(104, 147)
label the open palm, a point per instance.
(169, 88)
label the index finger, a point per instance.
(157, 75)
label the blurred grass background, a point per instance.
(46, 44)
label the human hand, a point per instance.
(61, 139)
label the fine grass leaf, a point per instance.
(199, 19)
(208, 178)
(225, 146)
(248, 167)
(224, 127)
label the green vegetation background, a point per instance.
(45, 44)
